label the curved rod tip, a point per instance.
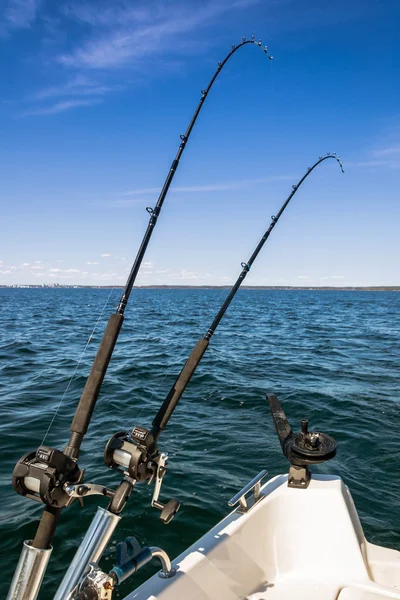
(335, 156)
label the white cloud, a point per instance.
(388, 157)
(211, 187)
(390, 151)
(78, 86)
(90, 262)
(19, 14)
(77, 89)
(185, 274)
(60, 107)
(105, 255)
(123, 34)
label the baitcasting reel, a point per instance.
(44, 474)
(135, 454)
(301, 449)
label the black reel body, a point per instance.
(132, 453)
(42, 475)
(135, 454)
(301, 449)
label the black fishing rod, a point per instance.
(44, 475)
(162, 417)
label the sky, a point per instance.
(93, 99)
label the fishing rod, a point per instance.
(135, 454)
(162, 417)
(46, 474)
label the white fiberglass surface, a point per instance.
(292, 544)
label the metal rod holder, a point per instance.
(90, 551)
(255, 485)
(29, 573)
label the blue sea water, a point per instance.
(332, 356)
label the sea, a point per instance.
(330, 356)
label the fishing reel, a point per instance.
(135, 454)
(43, 476)
(301, 449)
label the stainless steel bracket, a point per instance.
(240, 497)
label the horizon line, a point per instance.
(205, 287)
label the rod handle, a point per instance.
(93, 384)
(168, 406)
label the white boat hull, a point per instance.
(292, 544)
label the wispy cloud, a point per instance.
(109, 36)
(211, 187)
(124, 34)
(81, 90)
(78, 86)
(386, 157)
(18, 14)
(60, 107)
(390, 151)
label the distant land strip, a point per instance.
(367, 288)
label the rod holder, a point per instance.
(90, 551)
(29, 573)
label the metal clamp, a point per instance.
(96, 584)
(87, 489)
(254, 484)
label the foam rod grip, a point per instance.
(175, 393)
(92, 387)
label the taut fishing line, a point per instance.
(77, 366)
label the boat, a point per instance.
(296, 536)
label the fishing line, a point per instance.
(77, 365)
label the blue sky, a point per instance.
(94, 96)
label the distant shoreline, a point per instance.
(377, 288)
